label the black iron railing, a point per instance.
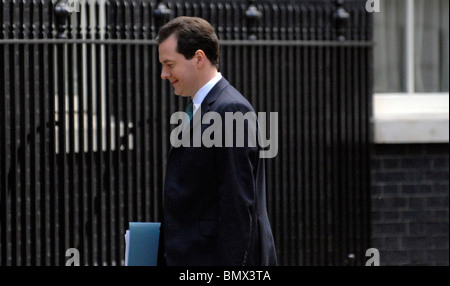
(84, 122)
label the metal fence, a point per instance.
(84, 122)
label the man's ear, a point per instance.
(200, 58)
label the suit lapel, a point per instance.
(210, 98)
(213, 95)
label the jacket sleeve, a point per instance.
(237, 192)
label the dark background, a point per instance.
(332, 193)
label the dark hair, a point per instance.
(192, 34)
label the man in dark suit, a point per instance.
(214, 197)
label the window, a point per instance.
(411, 52)
(411, 75)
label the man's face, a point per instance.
(177, 69)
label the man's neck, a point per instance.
(204, 79)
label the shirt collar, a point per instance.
(203, 92)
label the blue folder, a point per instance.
(143, 242)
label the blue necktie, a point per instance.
(189, 109)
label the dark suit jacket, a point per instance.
(215, 198)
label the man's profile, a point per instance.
(214, 197)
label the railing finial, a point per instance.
(252, 14)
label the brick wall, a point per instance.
(410, 202)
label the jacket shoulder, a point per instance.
(231, 100)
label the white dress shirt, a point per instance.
(203, 92)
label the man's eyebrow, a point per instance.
(167, 61)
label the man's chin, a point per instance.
(179, 94)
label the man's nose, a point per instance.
(164, 73)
